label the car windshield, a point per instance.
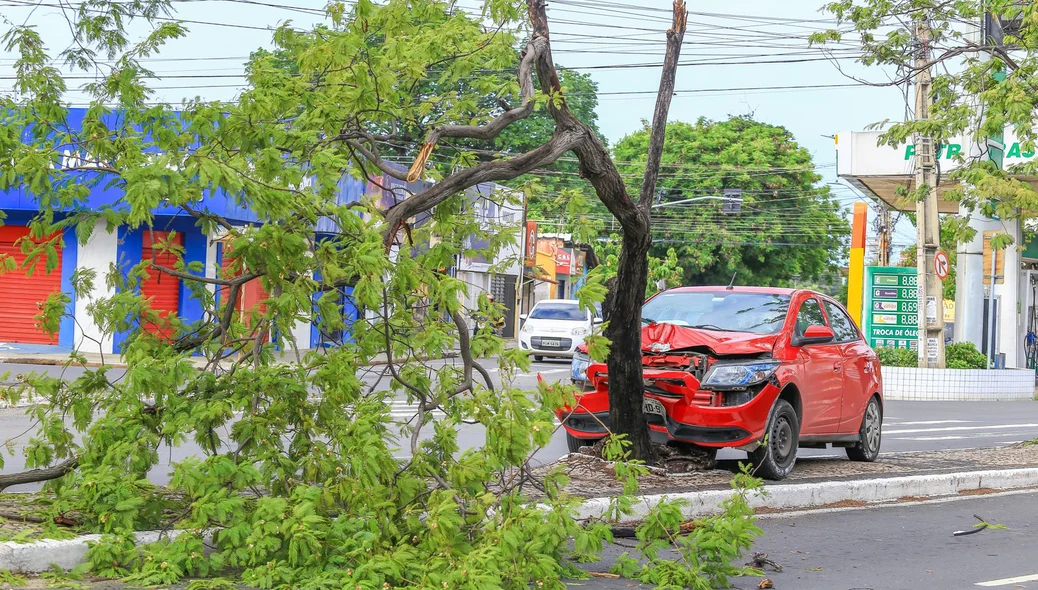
(558, 310)
(758, 313)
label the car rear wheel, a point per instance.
(575, 443)
(777, 453)
(871, 434)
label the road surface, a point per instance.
(908, 426)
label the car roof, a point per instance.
(736, 289)
(573, 301)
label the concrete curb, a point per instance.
(816, 495)
(37, 557)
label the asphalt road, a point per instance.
(908, 547)
(908, 426)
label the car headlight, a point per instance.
(526, 329)
(578, 370)
(579, 331)
(730, 375)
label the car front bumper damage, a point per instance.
(690, 414)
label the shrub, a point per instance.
(960, 355)
(964, 355)
(897, 357)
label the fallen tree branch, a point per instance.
(38, 475)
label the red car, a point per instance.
(758, 369)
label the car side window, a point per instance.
(842, 325)
(810, 314)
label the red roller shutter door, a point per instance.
(162, 289)
(21, 294)
(251, 295)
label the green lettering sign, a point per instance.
(944, 151)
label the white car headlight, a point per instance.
(526, 328)
(579, 331)
(729, 375)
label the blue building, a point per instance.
(21, 292)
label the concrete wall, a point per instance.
(900, 383)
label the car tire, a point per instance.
(575, 443)
(538, 358)
(870, 436)
(777, 453)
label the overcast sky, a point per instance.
(728, 46)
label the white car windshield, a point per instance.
(725, 311)
(567, 312)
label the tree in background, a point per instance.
(788, 226)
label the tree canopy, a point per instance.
(788, 226)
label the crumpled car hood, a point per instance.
(655, 337)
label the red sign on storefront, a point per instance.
(563, 260)
(530, 256)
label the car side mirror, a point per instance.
(523, 317)
(597, 320)
(814, 335)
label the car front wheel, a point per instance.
(870, 436)
(777, 453)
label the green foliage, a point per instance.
(964, 355)
(666, 271)
(57, 577)
(704, 557)
(958, 355)
(788, 226)
(7, 577)
(975, 94)
(298, 483)
(897, 357)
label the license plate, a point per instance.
(551, 343)
(651, 406)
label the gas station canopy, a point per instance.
(879, 170)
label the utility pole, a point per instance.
(931, 301)
(883, 231)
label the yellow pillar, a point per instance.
(856, 269)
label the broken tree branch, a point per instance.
(535, 47)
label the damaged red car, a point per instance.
(762, 370)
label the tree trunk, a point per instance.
(625, 332)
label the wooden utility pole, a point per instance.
(931, 301)
(884, 230)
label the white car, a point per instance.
(555, 327)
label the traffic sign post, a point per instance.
(941, 265)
